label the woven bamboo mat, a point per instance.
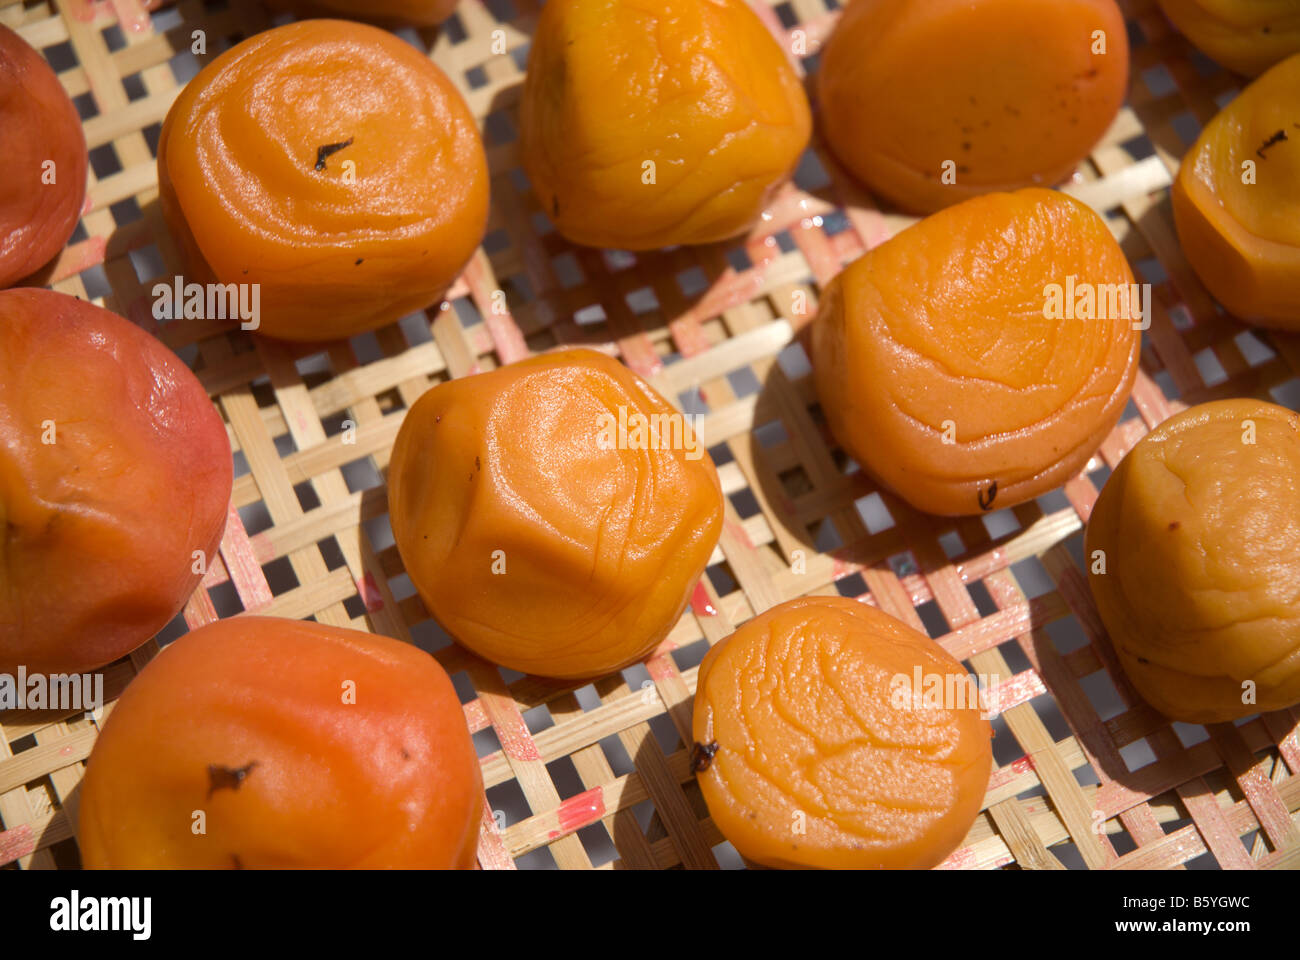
(596, 775)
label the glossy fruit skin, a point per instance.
(1201, 537)
(390, 780)
(1243, 239)
(799, 707)
(423, 13)
(102, 523)
(940, 334)
(698, 87)
(1246, 36)
(40, 124)
(1006, 93)
(596, 551)
(250, 196)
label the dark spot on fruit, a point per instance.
(1276, 138)
(1144, 661)
(406, 754)
(702, 756)
(1175, 525)
(359, 262)
(478, 464)
(329, 149)
(235, 862)
(227, 778)
(988, 495)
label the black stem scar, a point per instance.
(1276, 138)
(328, 150)
(702, 756)
(986, 497)
(227, 778)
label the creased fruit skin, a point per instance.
(595, 551)
(248, 721)
(1007, 93)
(1243, 239)
(698, 87)
(101, 524)
(1247, 36)
(251, 197)
(39, 124)
(940, 334)
(800, 704)
(1201, 536)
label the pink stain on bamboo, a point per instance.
(581, 811)
(701, 605)
(516, 742)
(368, 590)
(20, 841)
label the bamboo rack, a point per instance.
(596, 775)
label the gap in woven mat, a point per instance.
(507, 803)
(360, 475)
(1137, 755)
(1253, 350)
(728, 857)
(147, 261)
(331, 553)
(1067, 635)
(1287, 393)
(1032, 577)
(486, 742)
(539, 859)
(225, 599)
(874, 513)
(616, 755)
(1006, 748)
(564, 777)
(464, 686)
(175, 629)
(1120, 839)
(795, 482)
(852, 586)
(126, 212)
(810, 176)
(379, 532)
(429, 636)
(1085, 776)
(1014, 655)
(936, 624)
(596, 842)
(720, 576)
(1254, 839)
(952, 545)
(280, 575)
(1190, 734)
(984, 604)
(1049, 712)
(1103, 695)
(1209, 367)
(416, 328)
(690, 656)
(746, 503)
(538, 718)
(308, 499)
(1001, 523)
(827, 537)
